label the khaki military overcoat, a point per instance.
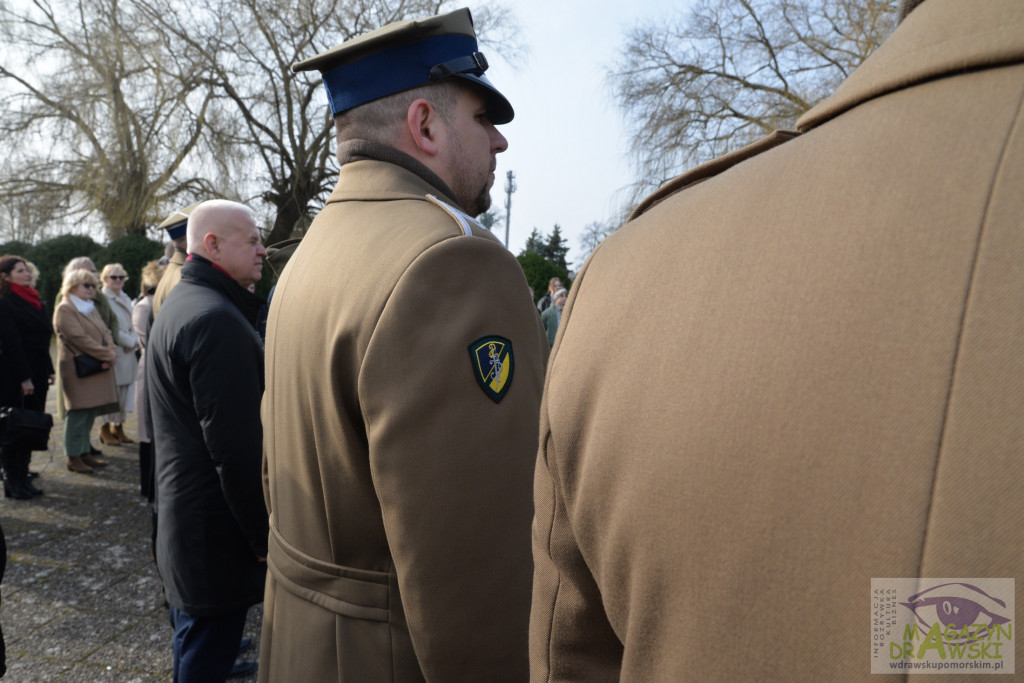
(171, 277)
(400, 490)
(827, 389)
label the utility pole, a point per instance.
(510, 187)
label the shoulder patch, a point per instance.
(461, 217)
(493, 365)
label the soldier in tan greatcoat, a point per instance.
(175, 225)
(829, 392)
(405, 363)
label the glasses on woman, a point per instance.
(88, 285)
(117, 277)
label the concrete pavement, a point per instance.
(81, 598)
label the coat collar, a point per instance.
(122, 299)
(25, 307)
(371, 170)
(202, 272)
(939, 38)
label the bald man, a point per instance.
(205, 378)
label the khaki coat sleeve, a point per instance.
(571, 638)
(452, 467)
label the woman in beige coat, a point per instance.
(126, 366)
(80, 330)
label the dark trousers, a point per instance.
(147, 477)
(205, 647)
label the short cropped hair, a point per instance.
(380, 120)
(76, 277)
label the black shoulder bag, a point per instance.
(24, 428)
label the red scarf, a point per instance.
(28, 294)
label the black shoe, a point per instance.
(35, 491)
(245, 644)
(94, 451)
(16, 491)
(32, 475)
(242, 667)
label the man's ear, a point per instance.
(422, 122)
(211, 245)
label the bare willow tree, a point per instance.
(732, 71)
(103, 114)
(279, 124)
(22, 218)
(125, 109)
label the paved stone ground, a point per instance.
(81, 598)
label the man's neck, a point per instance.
(359, 150)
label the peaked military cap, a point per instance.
(177, 221)
(404, 55)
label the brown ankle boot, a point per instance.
(91, 460)
(107, 435)
(75, 464)
(119, 433)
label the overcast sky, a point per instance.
(568, 144)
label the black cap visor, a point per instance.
(499, 109)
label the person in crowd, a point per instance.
(204, 379)
(401, 418)
(175, 225)
(277, 257)
(142, 319)
(26, 370)
(3, 569)
(109, 319)
(169, 251)
(34, 270)
(80, 330)
(126, 365)
(554, 284)
(551, 318)
(99, 299)
(832, 392)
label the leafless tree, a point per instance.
(279, 124)
(104, 115)
(126, 109)
(593, 234)
(731, 71)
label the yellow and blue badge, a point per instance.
(492, 365)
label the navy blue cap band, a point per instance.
(393, 70)
(177, 230)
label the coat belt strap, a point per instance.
(357, 593)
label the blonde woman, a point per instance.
(80, 330)
(126, 366)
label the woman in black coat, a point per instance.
(26, 370)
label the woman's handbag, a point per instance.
(86, 365)
(24, 428)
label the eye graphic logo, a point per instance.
(967, 613)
